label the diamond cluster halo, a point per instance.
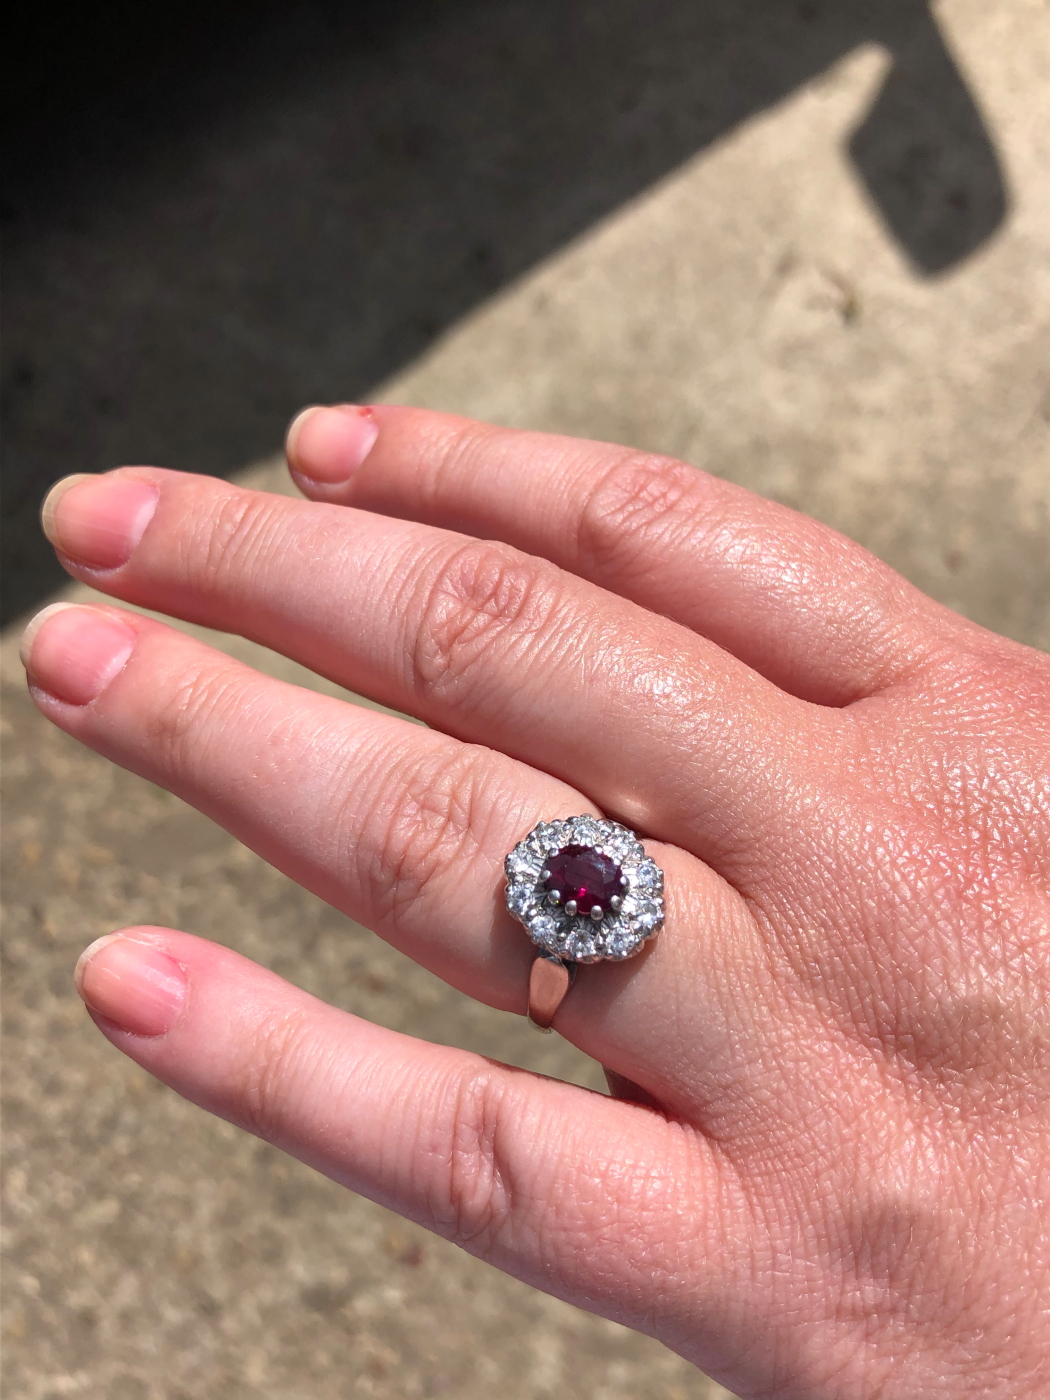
(585, 889)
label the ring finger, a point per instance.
(404, 829)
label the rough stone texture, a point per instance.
(751, 316)
(262, 205)
(763, 310)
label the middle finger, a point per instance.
(660, 727)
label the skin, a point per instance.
(825, 1167)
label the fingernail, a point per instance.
(98, 520)
(73, 652)
(135, 985)
(329, 444)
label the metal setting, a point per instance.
(549, 981)
(572, 935)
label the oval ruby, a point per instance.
(585, 875)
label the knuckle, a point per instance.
(464, 448)
(994, 678)
(433, 823)
(272, 1058)
(636, 509)
(485, 596)
(183, 716)
(234, 534)
(473, 1199)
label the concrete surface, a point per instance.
(766, 310)
(215, 212)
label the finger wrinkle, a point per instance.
(485, 600)
(637, 509)
(427, 819)
(186, 716)
(278, 1057)
(460, 447)
(462, 1157)
(228, 549)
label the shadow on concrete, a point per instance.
(215, 214)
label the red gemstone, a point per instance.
(585, 875)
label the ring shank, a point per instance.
(549, 980)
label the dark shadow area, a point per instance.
(214, 215)
(926, 158)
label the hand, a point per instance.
(825, 1170)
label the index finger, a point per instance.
(793, 599)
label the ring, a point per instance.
(586, 891)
